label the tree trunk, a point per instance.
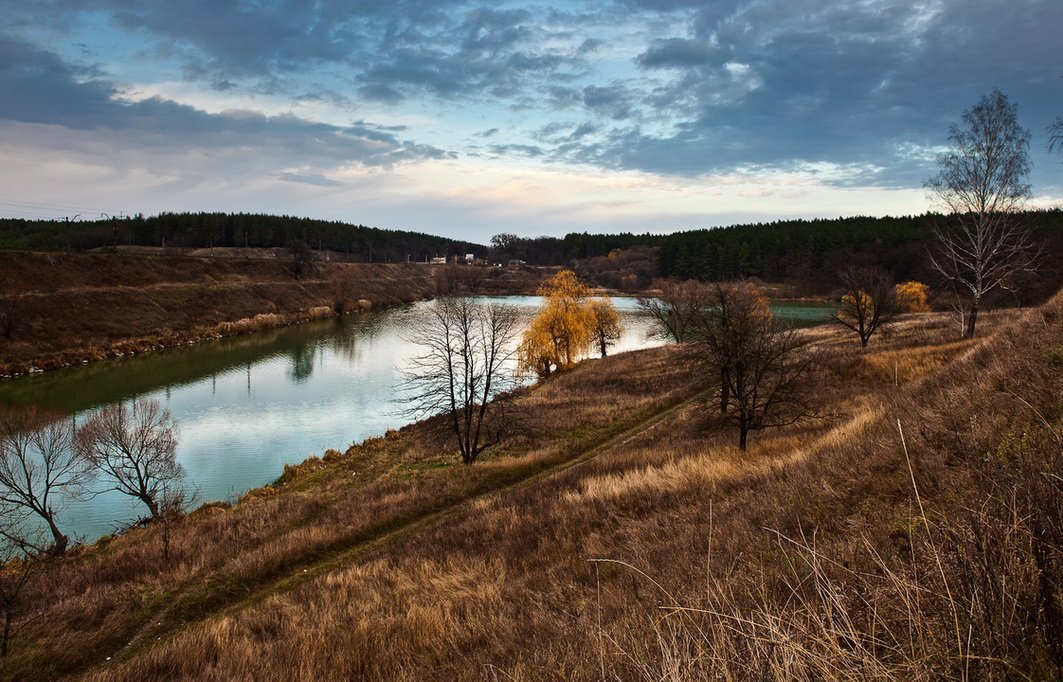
(59, 541)
(5, 646)
(971, 320)
(153, 506)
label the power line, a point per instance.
(61, 209)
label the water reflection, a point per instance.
(302, 362)
(247, 405)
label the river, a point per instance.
(247, 405)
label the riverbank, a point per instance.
(65, 309)
(623, 492)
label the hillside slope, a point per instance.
(71, 308)
(623, 535)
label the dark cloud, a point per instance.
(784, 85)
(561, 132)
(614, 101)
(675, 52)
(53, 92)
(393, 50)
(704, 87)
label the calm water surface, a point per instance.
(245, 406)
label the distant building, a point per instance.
(439, 260)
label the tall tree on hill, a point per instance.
(982, 182)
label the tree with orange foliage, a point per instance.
(911, 297)
(562, 331)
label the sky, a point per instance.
(467, 119)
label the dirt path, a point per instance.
(170, 620)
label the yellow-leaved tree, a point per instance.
(607, 327)
(562, 331)
(911, 297)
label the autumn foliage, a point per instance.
(911, 297)
(566, 326)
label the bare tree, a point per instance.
(301, 256)
(729, 317)
(762, 367)
(982, 183)
(10, 315)
(676, 310)
(135, 448)
(40, 469)
(868, 301)
(344, 285)
(1055, 135)
(464, 369)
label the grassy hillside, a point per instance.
(70, 308)
(913, 531)
(67, 308)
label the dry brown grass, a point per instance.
(807, 557)
(77, 307)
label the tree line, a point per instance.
(357, 243)
(806, 249)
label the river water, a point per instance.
(247, 405)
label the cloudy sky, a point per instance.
(472, 118)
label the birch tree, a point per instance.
(982, 182)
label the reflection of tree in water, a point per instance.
(302, 362)
(348, 335)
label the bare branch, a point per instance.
(982, 183)
(464, 369)
(135, 448)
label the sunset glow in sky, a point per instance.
(468, 118)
